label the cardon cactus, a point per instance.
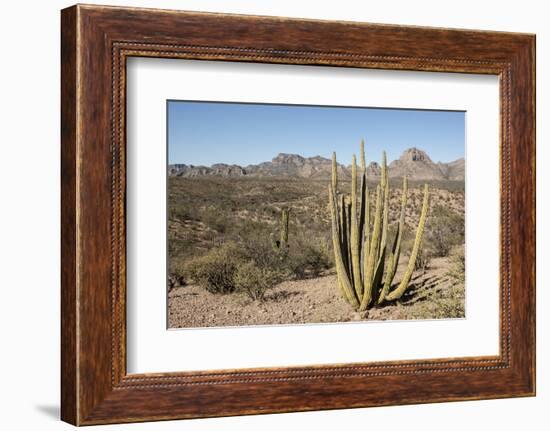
(281, 245)
(365, 265)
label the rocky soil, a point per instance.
(432, 295)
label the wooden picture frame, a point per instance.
(95, 43)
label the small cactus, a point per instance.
(364, 274)
(281, 245)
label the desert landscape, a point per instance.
(252, 245)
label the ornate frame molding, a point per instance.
(96, 41)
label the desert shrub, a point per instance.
(256, 246)
(216, 220)
(176, 275)
(216, 269)
(183, 212)
(308, 257)
(447, 304)
(457, 271)
(180, 246)
(423, 259)
(444, 230)
(254, 281)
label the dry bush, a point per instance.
(423, 259)
(176, 275)
(254, 281)
(444, 230)
(309, 256)
(216, 269)
(257, 246)
(458, 265)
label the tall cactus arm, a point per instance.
(362, 155)
(364, 195)
(366, 226)
(334, 178)
(341, 226)
(386, 185)
(398, 292)
(384, 171)
(343, 278)
(363, 220)
(378, 273)
(341, 218)
(348, 242)
(393, 260)
(355, 238)
(404, 197)
(375, 239)
(392, 266)
(343, 229)
(376, 280)
(373, 250)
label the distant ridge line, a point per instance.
(413, 162)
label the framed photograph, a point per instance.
(264, 215)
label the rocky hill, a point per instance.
(455, 170)
(414, 163)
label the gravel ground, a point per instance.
(430, 296)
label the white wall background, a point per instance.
(29, 214)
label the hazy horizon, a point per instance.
(347, 164)
(207, 133)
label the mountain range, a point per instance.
(414, 163)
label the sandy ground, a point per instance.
(431, 295)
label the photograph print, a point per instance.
(295, 214)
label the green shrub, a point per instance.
(457, 270)
(308, 257)
(256, 246)
(254, 281)
(216, 220)
(183, 212)
(216, 269)
(445, 230)
(176, 275)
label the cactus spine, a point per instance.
(365, 276)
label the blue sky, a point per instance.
(204, 133)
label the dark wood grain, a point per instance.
(69, 398)
(96, 41)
